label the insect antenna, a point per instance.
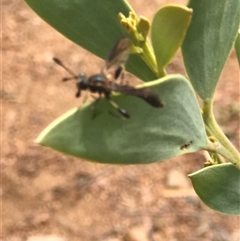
(60, 63)
(69, 78)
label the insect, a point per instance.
(104, 83)
(186, 146)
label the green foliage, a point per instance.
(153, 134)
(169, 23)
(218, 187)
(84, 23)
(208, 42)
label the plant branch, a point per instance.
(224, 147)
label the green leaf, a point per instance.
(208, 42)
(150, 135)
(218, 187)
(169, 27)
(92, 24)
(237, 46)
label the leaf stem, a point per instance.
(224, 147)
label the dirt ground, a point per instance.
(49, 196)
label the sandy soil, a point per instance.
(47, 193)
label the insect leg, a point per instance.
(118, 72)
(95, 112)
(78, 94)
(121, 111)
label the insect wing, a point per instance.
(119, 53)
(117, 58)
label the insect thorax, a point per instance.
(97, 79)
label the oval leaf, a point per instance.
(168, 29)
(92, 24)
(208, 42)
(150, 135)
(218, 187)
